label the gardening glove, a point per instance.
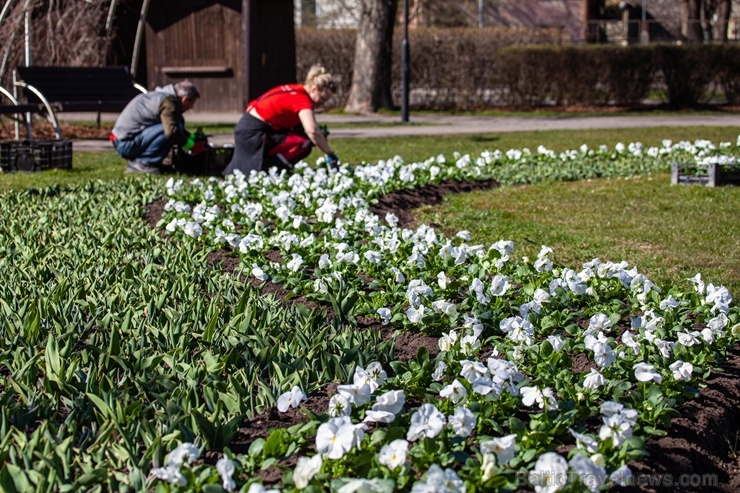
(199, 147)
(332, 161)
(195, 139)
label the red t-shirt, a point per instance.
(280, 105)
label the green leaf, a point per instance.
(256, 447)
(275, 444)
(212, 488)
(13, 479)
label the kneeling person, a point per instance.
(279, 128)
(152, 123)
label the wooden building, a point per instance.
(233, 50)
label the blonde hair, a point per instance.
(319, 77)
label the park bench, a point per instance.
(51, 90)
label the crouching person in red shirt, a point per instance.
(279, 128)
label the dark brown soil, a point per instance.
(41, 130)
(581, 363)
(702, 445)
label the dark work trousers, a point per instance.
(258, 147)
(249, 145)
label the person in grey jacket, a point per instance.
(152, 123)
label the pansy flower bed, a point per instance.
(130, 365)
(534, 358)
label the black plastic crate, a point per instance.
(711, 175)
(35, 155)
(210, 163)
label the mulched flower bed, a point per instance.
(701, 447)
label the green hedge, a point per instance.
(450, 68)
(466, 68)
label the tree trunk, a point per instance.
(724, 7)
(371, 77)
(690, 25)
(308, 13)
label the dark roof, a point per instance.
(568, 14)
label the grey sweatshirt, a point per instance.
(158, 106)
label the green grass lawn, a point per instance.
(669, 232)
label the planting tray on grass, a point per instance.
(210, 163)
(35, 155)
(713, 175)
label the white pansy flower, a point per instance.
(698, 283)
(358, 395)
(473, 370)
(306, 469)
(469, 344)
(439, 371)
(499, 285)
(260, 488)
(543, 398)
(669, 303)
(464, 235)
(295, 263)
(444, 307)
(398, 276)
(225, 468)
(385, 315)
(463, 421)
(681, 370)
(645, 372)
(393, 454)
(362, 377)
(447, 341)
(599, 322)
(718, 324)
(584, 441)
(289, 399)
(184, 454)
(258, 273)
(337, 436)
(689, 339)
(665, 347)
(170, 474)
(591, 475)
(603, 354)
(611, 408)
(427, 421)
(594, 380)
(324, 261)
(339, 405)
(502, 447)
(455, 392)
(628, 339)
(617, 428)
(386, 408)
(556, 342)
(376, 372)
(443, 280)
(622, 476)
(415, 315)
(550, 473)
(488, 467)
(441, 481)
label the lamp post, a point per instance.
(405, 64)
(624, 6)
(480, 13)
(644, 32)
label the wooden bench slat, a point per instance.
(81, 88)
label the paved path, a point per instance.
(373, 126)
